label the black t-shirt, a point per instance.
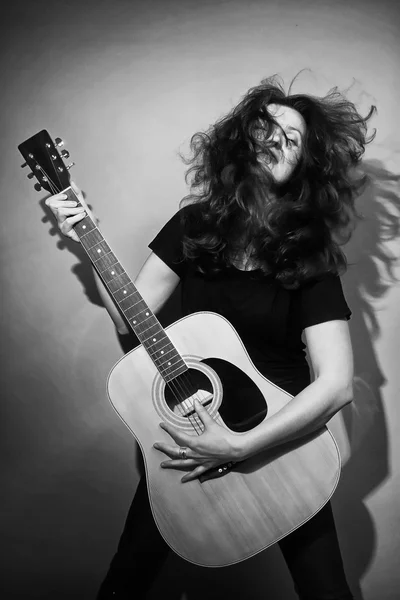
(268, 318)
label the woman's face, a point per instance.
(286, 150)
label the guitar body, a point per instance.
(227, 519)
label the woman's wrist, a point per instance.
(243, 446)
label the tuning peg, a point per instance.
(70, 165)
(30, 176)
(24, 165)
(59, 142)
(37, 187)
(65, 154)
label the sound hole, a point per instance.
(181, 391)
(243, 405)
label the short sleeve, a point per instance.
(167, 244)
(323, 300)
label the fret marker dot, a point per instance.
(154, 339)
(134, 322)
(162, 351)
(169, 364)
(99, 250)
(112, 272)
(83, 226)
(125, 291)
(147, 314)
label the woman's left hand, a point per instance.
(216, 446)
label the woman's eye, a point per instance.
(292, 142)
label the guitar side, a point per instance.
(225, 520)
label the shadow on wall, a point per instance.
(369, 277)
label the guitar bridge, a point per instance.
(186, 407)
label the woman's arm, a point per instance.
(155, 281)
(331, 357)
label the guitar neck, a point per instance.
(141, 319)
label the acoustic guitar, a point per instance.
(237, 510)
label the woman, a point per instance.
(257, 240)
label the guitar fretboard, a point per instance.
(142, 320)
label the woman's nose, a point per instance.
(277, 139)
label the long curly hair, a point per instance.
(293, 230)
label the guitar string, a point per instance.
(179, 397)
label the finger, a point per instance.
(172, 451)
(183, 465)
(57, 204)
(66, 226)
(175, 451)
(182, 439)
(78, 192)
(57, 197)
(66, 211)
(195, 474)
(203, 413)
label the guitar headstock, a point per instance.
(46, 162)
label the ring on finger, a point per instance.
(183, 453)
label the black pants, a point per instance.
(311, 552)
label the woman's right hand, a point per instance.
(67, 212)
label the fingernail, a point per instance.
(162, 465)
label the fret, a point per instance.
(127, 299)
(164, 353)
(106, 260)
(165, 368)
(164, 361)
(84, 227)
(153, 333)
(135, 311)
(115, 278)
(171, 372)
(177, 372)
(171, 364)
(100, 251)
(162, 348)
(125, 292)
(103, 263)
(148, 329)
(91, 238)
(137, 320)
(143, 331)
